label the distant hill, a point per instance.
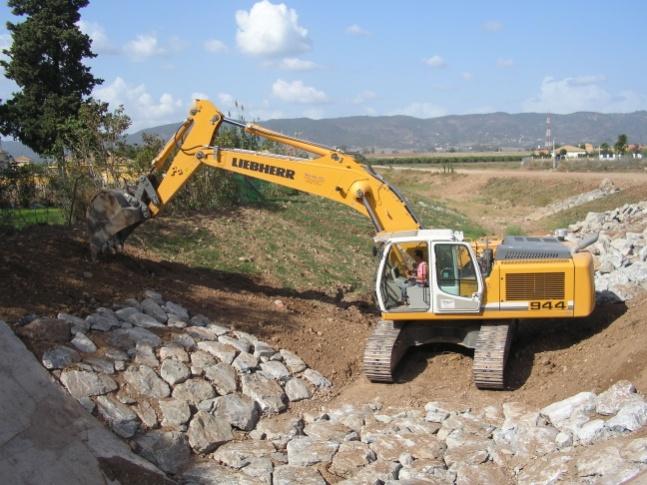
(482, 131)
(463, 132)
(17, 149)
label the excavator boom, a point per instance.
(330, 173)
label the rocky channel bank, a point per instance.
(207, 404)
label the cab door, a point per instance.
(457, 283)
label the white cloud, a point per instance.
(467, 76)
(145, 45)
(357, 30)
(215, 46)
(435, 62)
(100, 42)
(422, 109)
(492, 26)
(364, 96)
(582, 93)
(297, 92)
(141, 106)
(296, 64)
(270, 30)
(503, 63)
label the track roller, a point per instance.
(383, 351)
(491, 354)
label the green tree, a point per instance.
(45, 60)
(604, 148)
(621, 144)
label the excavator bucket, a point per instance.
(111, 216)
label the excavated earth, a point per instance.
(47, 271)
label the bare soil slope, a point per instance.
(45, 270)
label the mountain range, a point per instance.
(476, 132)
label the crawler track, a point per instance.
(383, 351)
(491, 355)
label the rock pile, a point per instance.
(443, 443)
(621, 250)
(606, 188)
(203, 402)
(171, 383)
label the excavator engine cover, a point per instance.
(111, 217)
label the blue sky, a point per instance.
(341, 58)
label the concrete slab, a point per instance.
(46, 437)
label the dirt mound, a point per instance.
(46, 270)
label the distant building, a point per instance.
(572, 151)
(23, 161)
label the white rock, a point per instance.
(60, 357)
(207, 432)
(174, 371)
(591, 431)
(178, 310)
(435, 413)
(120, 417)
(306, 451)
(297, 390)
(316, 379)
(563, 440)
(631, 417)
(562, 410)
(83, 343)
(293, 361)
(175, 412)
(245, 362)
(610, 401)
(152, 308)
(275, 370)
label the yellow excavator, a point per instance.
(470, 293)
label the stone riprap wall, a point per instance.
(173, 384)
(621, 250)
(206, 404)
(583, 439)
(606, 188)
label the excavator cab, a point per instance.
(454, 283)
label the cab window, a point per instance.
(455, 271)
(404, 282)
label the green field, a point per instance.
(21, 218)
(297, 241)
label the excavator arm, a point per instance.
(330, 173)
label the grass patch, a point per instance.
(299, 242)
(527, 191)
(513, 230)
(21, 218)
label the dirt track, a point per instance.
(48, 269)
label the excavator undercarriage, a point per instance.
(390, 342)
